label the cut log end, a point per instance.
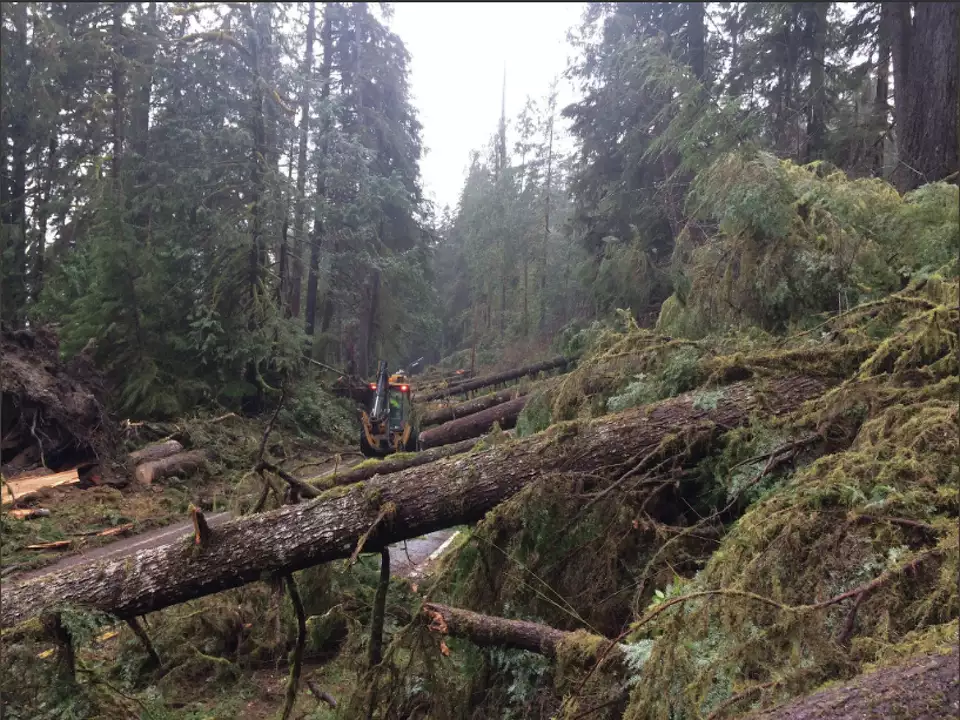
(185, 462)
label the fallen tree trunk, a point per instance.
(454, 412)
(392, 465)
(474, 425)
(491, 631)
(386, 509)
(516, 373)
(924, 688)
(157, 451)
(184, 462)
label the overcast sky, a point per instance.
(456, 74)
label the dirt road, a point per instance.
(408, 559)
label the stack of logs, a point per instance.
(164, 459)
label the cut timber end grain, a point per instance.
(27, 486)
(185, 462)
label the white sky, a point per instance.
(456, 74)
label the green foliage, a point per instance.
(793, 242)
(314, 411)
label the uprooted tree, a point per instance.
(389, 508)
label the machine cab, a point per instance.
(399, 399)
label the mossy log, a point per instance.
(393, 464)
(387, 508)
(461, 410)
(474, 425)
(923, 688)
(490, 631)
(184, 462)
(489, 380)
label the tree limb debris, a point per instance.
(491, 631)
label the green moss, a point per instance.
(339, 491)
(579, 649)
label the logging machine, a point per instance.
(387, 426)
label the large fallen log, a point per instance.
(922, 688)
(387, 508)
(492, 631)
(504, 377)
(474, 425)
(454, 412)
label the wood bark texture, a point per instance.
(922, 688)
(492, 631)
(386, 509)
(165, 467)
(453, 412)
(516, 373)
(472, 426)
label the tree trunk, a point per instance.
(20, 130)
(551, 109)
(504, 377)
(470, 407)
(492, 631)
(816, 120)
(881, 105)
(370, 334)
(43, 213)
(185, 462)
(118, 89)
(924, 688)
(696, 34)
(317, 235)
(296, 278)
(471, 426)
(392, 464)
(386, 509)
(927, 80)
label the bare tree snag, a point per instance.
(452, 491)
(184, 462)
(474, 425)
(144, 639)
(157, 451)
(296, 663)
(924, 688)
(201, 530)
(515, 374)
(470, 407)
(491, 631)
(393, 464)
(321, 695)
(66, 655)
(379, 610)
